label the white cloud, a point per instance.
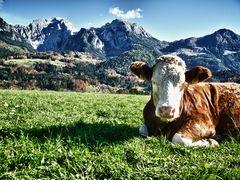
(131, 14)
(1, 3)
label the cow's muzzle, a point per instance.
(165, 112)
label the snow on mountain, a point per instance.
(68, 24)
(187, 52)
(227, 52)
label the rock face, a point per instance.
(86, 40)
(120, 36)
(7, 33)
(113, 39)
(47, 34)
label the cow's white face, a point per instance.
(167, 81)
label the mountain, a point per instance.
(113, 39)
(120, 36)
(12, 42)
(219, 51)
(47, 34)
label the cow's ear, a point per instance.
(142, 70)
(197, 74)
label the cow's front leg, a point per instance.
(208, 142)
(197, 131)
(152, 124)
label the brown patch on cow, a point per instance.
(229, 120)
(197, 74)
(141, 69)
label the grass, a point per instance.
(67, 135)
(24, 62)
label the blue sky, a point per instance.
(164, 19)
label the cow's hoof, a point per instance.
(206, 143)
(178, 138)
(143, 130)
(213, 143)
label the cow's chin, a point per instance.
(165, 119)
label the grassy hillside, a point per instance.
(66, 135)
(11, 49)
(32, 62)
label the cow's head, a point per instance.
(168, 77)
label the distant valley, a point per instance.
(52, 54)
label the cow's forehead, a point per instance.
(170, 59)
(169, 64)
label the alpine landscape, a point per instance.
(52, 54)
(71, 106)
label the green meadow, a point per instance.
(68, 135)
(32, 62)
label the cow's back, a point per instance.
(229, 108)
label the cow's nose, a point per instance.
(166, 111)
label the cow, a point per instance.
(183, 107)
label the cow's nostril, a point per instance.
(173, 110)
(161, 110)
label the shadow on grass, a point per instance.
(80, 132)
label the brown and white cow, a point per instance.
(185, 109)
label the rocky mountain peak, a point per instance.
(126, 26)
(55, 21)
(47, 34)
(65, 23)
(40, 22)
(220, 38)
(225, 32)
